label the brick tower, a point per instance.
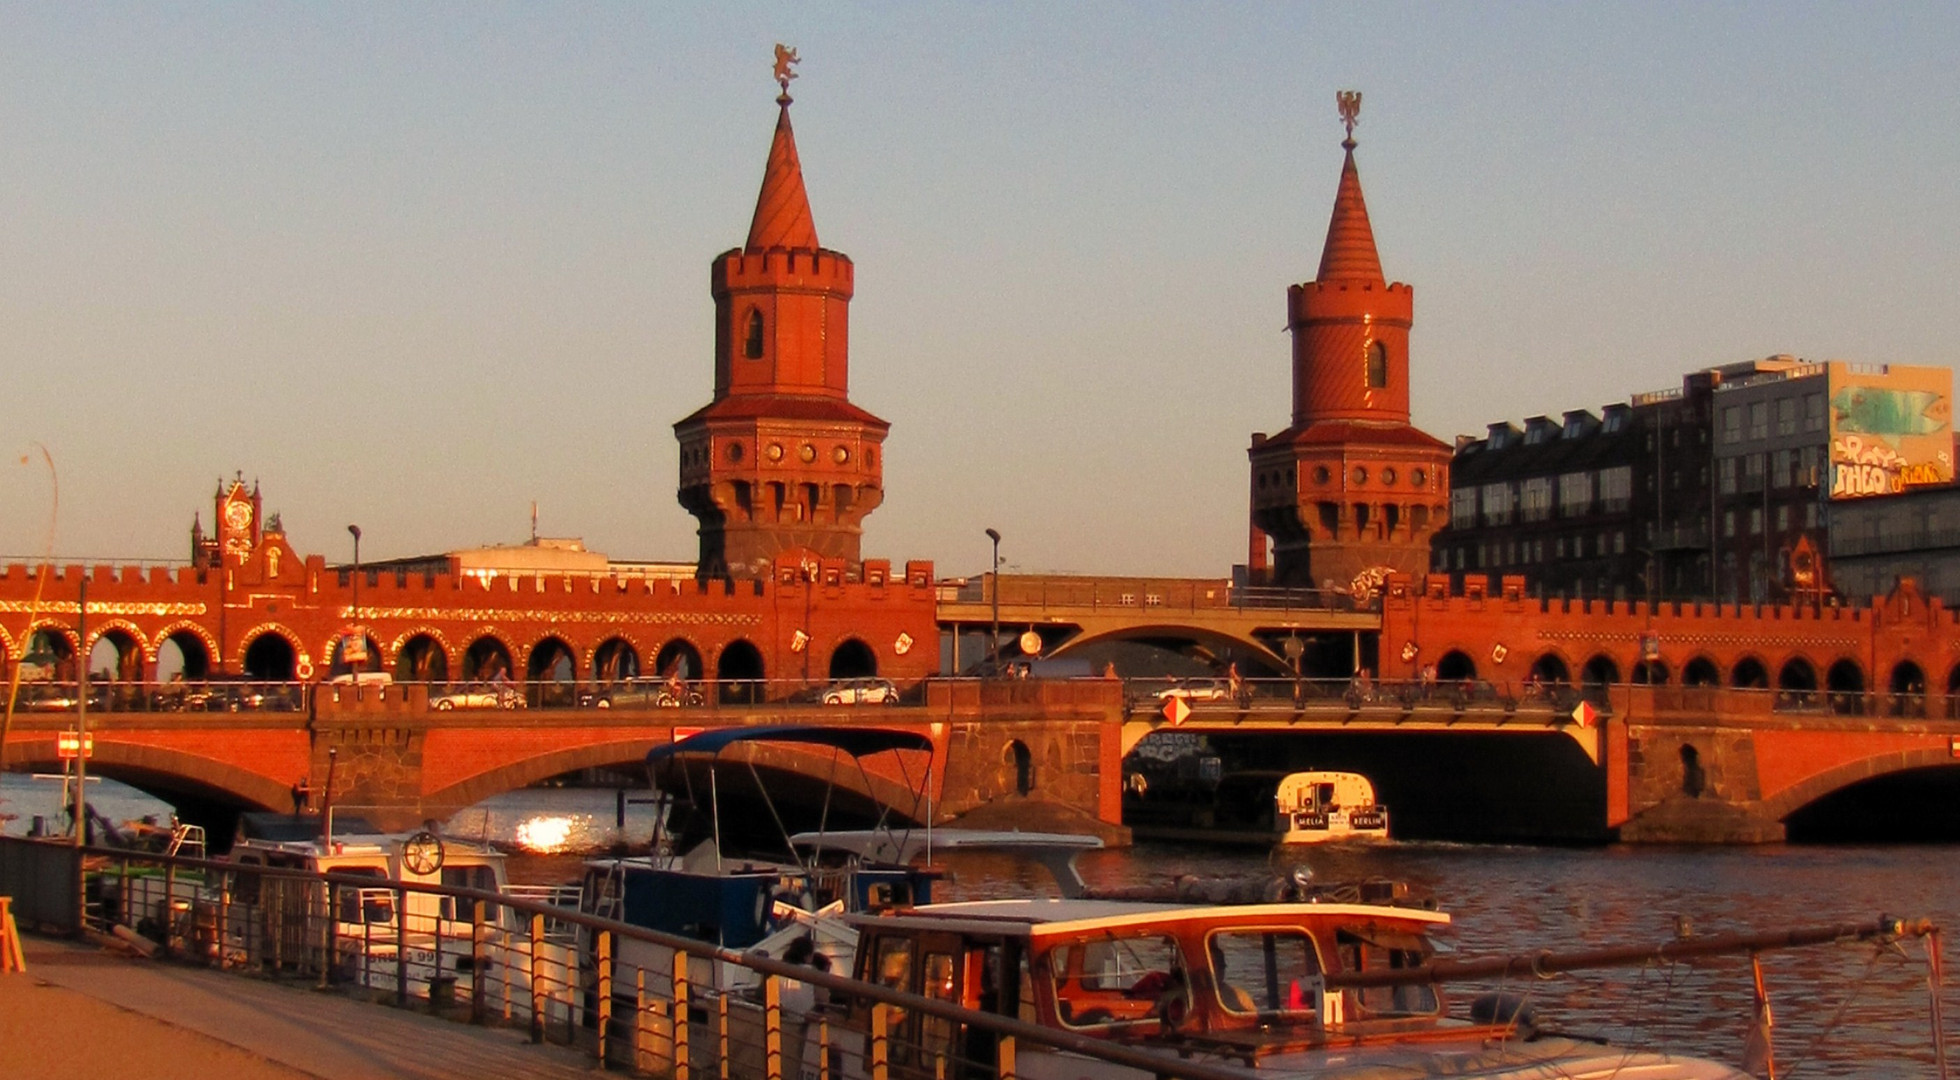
(1350, 486)
(780, 461)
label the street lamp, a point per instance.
(355, 531)
(994, 535)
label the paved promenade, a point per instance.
(80, 1013)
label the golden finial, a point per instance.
(1349, 102)
(785, 56)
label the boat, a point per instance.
(1317, 807)
(1289, 981)
(804, 885)
(382, 936)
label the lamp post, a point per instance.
(355, 531)
(994, 573)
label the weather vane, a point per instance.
(1348, 101)
(785, 56)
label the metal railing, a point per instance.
(644, 1000)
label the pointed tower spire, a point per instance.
(1350, 252)
(782, 210)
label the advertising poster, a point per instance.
(1891, 429)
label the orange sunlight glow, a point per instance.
(544, 834)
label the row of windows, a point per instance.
(1753, 421)
(1802, 467)
(1534, 552)
(1813, 516)
(1578, 494)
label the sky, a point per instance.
(416, 266)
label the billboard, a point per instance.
(1891, 429)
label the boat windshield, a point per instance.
(1376, 950)
(1267, 972)
(1112, 979)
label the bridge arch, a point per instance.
(1456, 666)
(616, 659)
(1749, 673)
(123, 633)
(1598, 676)
(1782, 804)
(853, 659)
(1551, 668)
(1845, 683)
(129, 646)
(270, 651)
(422, 655)
(183, 632)
(488, 657)
(1701, 672)
(1652, 673)
(336, 648)
(550, 672)
(1908, 690)
(682, 652)
(739, 673)
(1796, 683)
(61, 645)
(170, 774)
(1199, 643)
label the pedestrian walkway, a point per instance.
(81, 1013)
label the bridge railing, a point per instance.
(1065, 593)
(639, 1000)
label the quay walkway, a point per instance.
(83, 1013)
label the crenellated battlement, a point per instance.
(782, 268)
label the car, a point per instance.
(478, 696)
(861, 692)
(638, 694)
(1196, 690)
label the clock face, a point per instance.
(238, 515)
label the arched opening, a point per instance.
(752, 336)
(1796, 685)
(615, 661)
(1655, 673)
(679, 658)
(1749, 674)
(359, 644)
(1597, 679)
(1953, 693)
(50, 657)
(182, 657)
(853, 660)
(1693, 780)
(1550, 669)
(1456, 666)
(1701, 672)
(739, 674)
(486, 660)
(1908, 690)
(422, 659)
(115, 666)
(1377, 365)
(1023, 762)
(551, 675)
(271, 658)
(1845, 682)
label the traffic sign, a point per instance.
(1584, 714)
(1177, 711)
(66, 743)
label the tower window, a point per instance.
(1377, 365)
(752, 344)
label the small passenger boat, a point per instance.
(1318, 807)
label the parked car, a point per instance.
(478, 696)
(1196, 690)
(861, 692)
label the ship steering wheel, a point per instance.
(422, 853)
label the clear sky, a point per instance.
(414, 266)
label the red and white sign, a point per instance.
(1584, 714)
(66, 743)
(1176, 711)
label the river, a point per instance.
(1841, 1011)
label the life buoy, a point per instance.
(304, 669)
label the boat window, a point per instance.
(1374, 949)
(245, 887)
(483, 878)
(936, 1033)
(1113, 980)
(362, 905)
(1265, 971)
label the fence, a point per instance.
(634, 998)
(41, 876)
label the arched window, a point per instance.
(752, 339)
(1377, 365)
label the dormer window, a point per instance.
(752, 340)
(1377, 366)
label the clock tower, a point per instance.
(236, 525)
(780, 462)
(1350, 487)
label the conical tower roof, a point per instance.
(782, 211)
(1350, 252)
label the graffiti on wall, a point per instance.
(1890, 430)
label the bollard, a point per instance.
(537, 980)
(605, 973)
(881, 1025)
(772, 1028)
(476, 962)
(683, 1056)
(721, 1024)
(823, 1048)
